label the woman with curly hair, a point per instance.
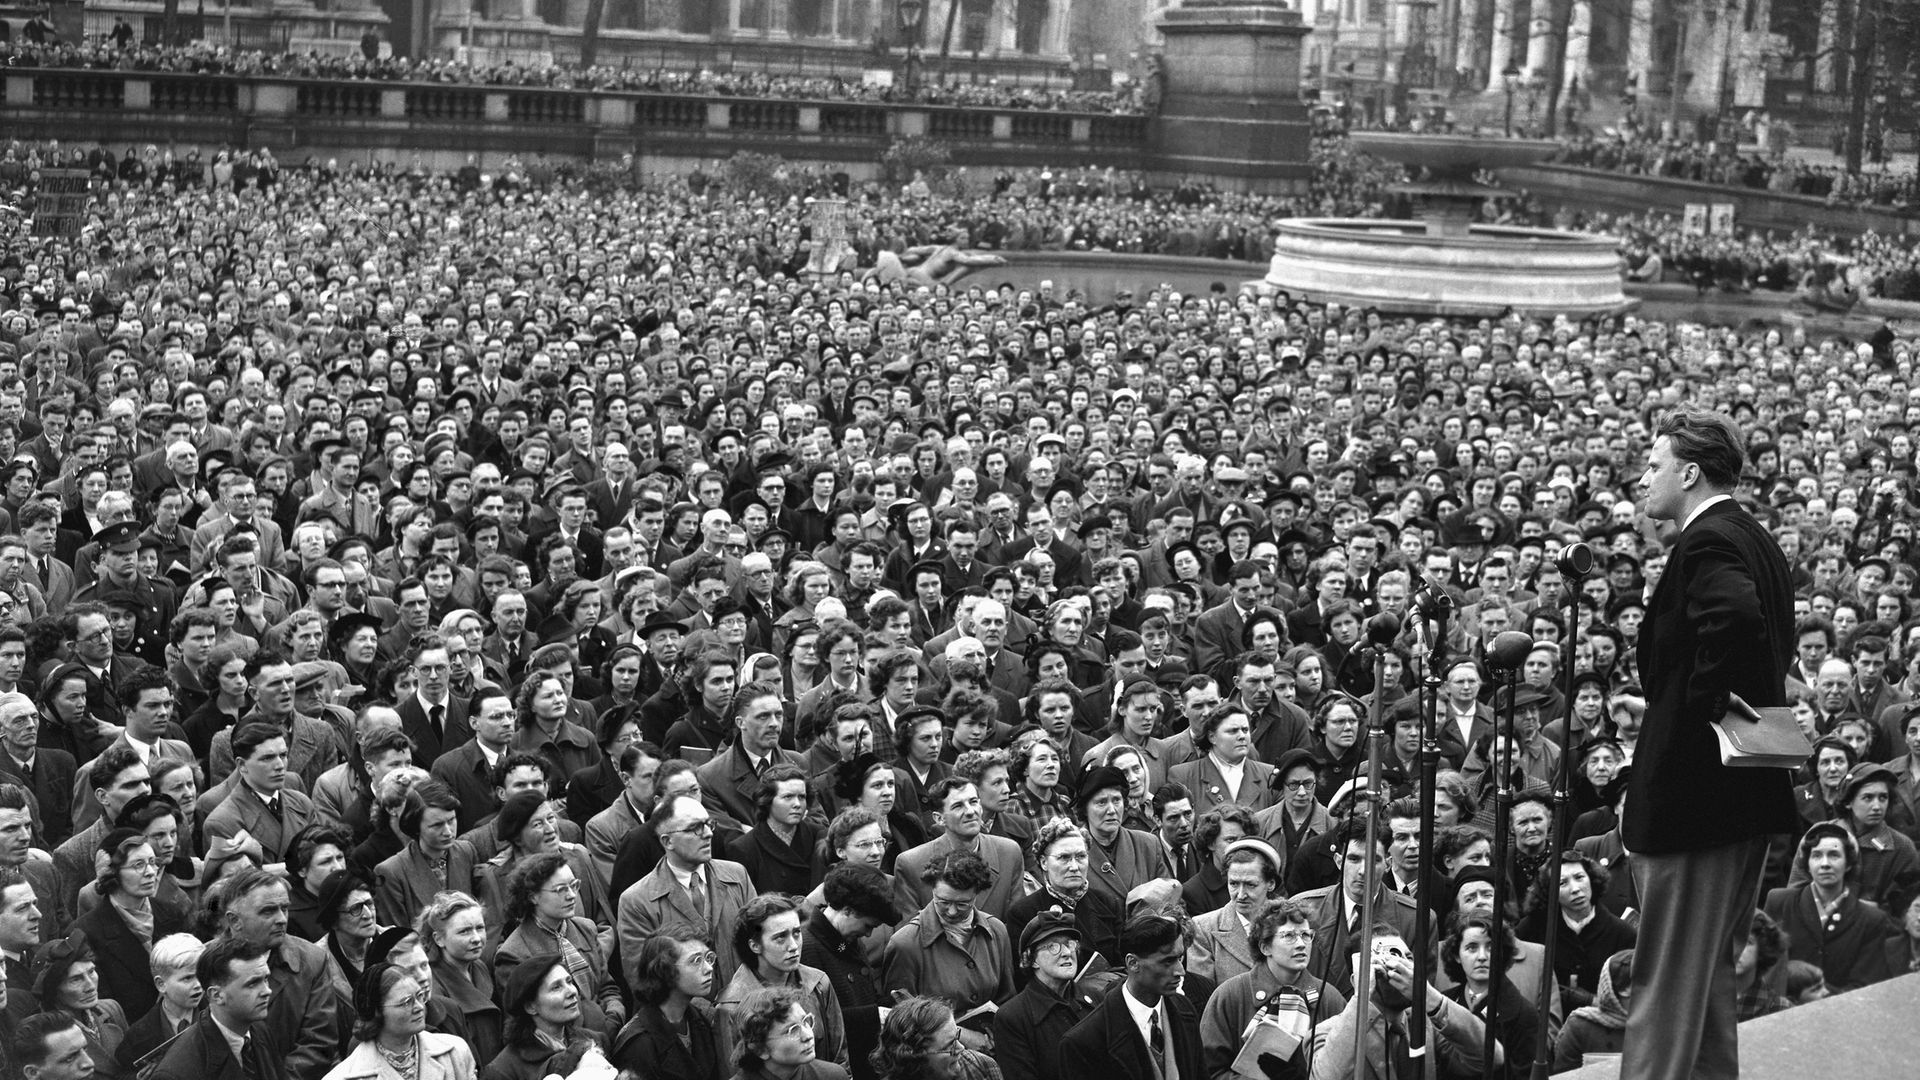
(543, 910)
(390, 1033)
(542, 703)
(672, 1034)
(123, 929)
(776, 1039)
(544, 1028)
(1467, 957)
(921, 1041)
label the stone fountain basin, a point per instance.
(1452, 154)
(1400, 267)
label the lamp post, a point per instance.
(1510, 78)
(909, 13)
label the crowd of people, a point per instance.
(458, 629)
(201, 57)
(1649, 153)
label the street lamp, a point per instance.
(909, 13)
(1510, 78)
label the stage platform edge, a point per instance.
(1860, 1033)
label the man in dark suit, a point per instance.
(232, 1041)
(1069, 567)
(730, 781)
(468, 767)
(611, 496)
(1216, 632)
(432, 716)
(1337, 929)
(1720, 623)
(1143, 1029)
(47, 774)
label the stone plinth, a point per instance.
(1231, 104)
(1399, 267)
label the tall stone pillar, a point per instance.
(1579, 45)
(1500, 57)
(1539, 39)
(1470, 29)
(1826, 75)
(1230, 105)
(1640, 44)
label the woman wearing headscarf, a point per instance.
(1599, 1028)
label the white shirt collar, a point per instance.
(144, 749)
(1141, 1013)
(1698, 510)
(1232, 774)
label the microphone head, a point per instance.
(1575, 560)
(1433, 603)
(1509, 649)
(1383, 628)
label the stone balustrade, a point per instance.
(302, 116)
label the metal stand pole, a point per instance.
(1431, 610)
(1376, 754)
(1504, 656)
(1575, 564)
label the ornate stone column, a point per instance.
(1500, 57)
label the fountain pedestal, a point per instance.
(1231, 107)
(1442, 263)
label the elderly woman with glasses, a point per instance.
(390, 1033)
(122, 930)
(543, 911)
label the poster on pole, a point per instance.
(1695, 221)
(1721, 223)
(60, 202)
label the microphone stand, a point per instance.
(1437, 606)
(1376, 751)
(1573, 569)
(1506, 669)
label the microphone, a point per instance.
(1575, 561)
(1383, 628)
(1509, 649)
(1433, 603)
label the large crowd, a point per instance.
(459, 625)
(1649, 153)
(109, 54)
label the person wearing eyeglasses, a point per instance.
(1279, 986)
(347, 914)
(688, 885)
(543, 909)
(122, 930)
(390, 1033)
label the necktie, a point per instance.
(1399, 1059)
(440, 872)
(699, 895)
(1156, 1041)
(247, 1067)
(433, 720)
(273, 807)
